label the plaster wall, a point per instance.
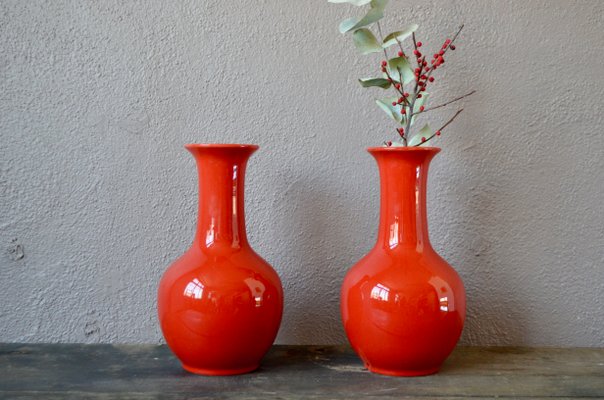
(98, 196)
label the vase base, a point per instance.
(220, 372)
(403, 372)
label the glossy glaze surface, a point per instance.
(403, 306)
(220, 304)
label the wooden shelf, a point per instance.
(76, 371)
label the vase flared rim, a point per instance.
(403, 149)
(221, 146)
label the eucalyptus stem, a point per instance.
(382, 38)
(400, 46)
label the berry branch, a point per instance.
(397, 86)
(423, 76)
(411, 104)
(447, 103)
(438, 131)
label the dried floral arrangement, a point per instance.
(408, 82)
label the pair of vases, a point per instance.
(220, 304)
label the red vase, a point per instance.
(403, 307)
(220, 304)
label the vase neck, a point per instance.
(403, 182)
(221, 216)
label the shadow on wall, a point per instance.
(495, 312)
(320, 253)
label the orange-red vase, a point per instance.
(220, 304)
(403, 307)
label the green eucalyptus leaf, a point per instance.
(353, 2)
(399, 35)
(375, 82)
(379, 4)
(418, 103)
(350, 24)
(393, 112)
(365, 41)
(425, 132)
(398, 66)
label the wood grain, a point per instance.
(76, 371)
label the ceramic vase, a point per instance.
(220, 304)
(402, 305)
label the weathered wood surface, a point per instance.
(73, 371)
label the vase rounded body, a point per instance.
(220, 304)
(402, 305)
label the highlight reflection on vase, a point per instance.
(220, 304)
(403, 306)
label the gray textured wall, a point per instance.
(98, 195)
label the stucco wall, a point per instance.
(98, 196)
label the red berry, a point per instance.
(421, 108)
(452, 47)
(423, 76)
(424, 63)
(440, 53)
(422, 89)
(398, 86)
(388, 143)
(403, 111)
(417, 53)
(406, 94)
(394, 103)
(423, 139)
(419, 96)
(448, 41)
(419, 44)
(437, 133)
(384, 63)
(431, 79)
(400, 100)
(400, 54)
